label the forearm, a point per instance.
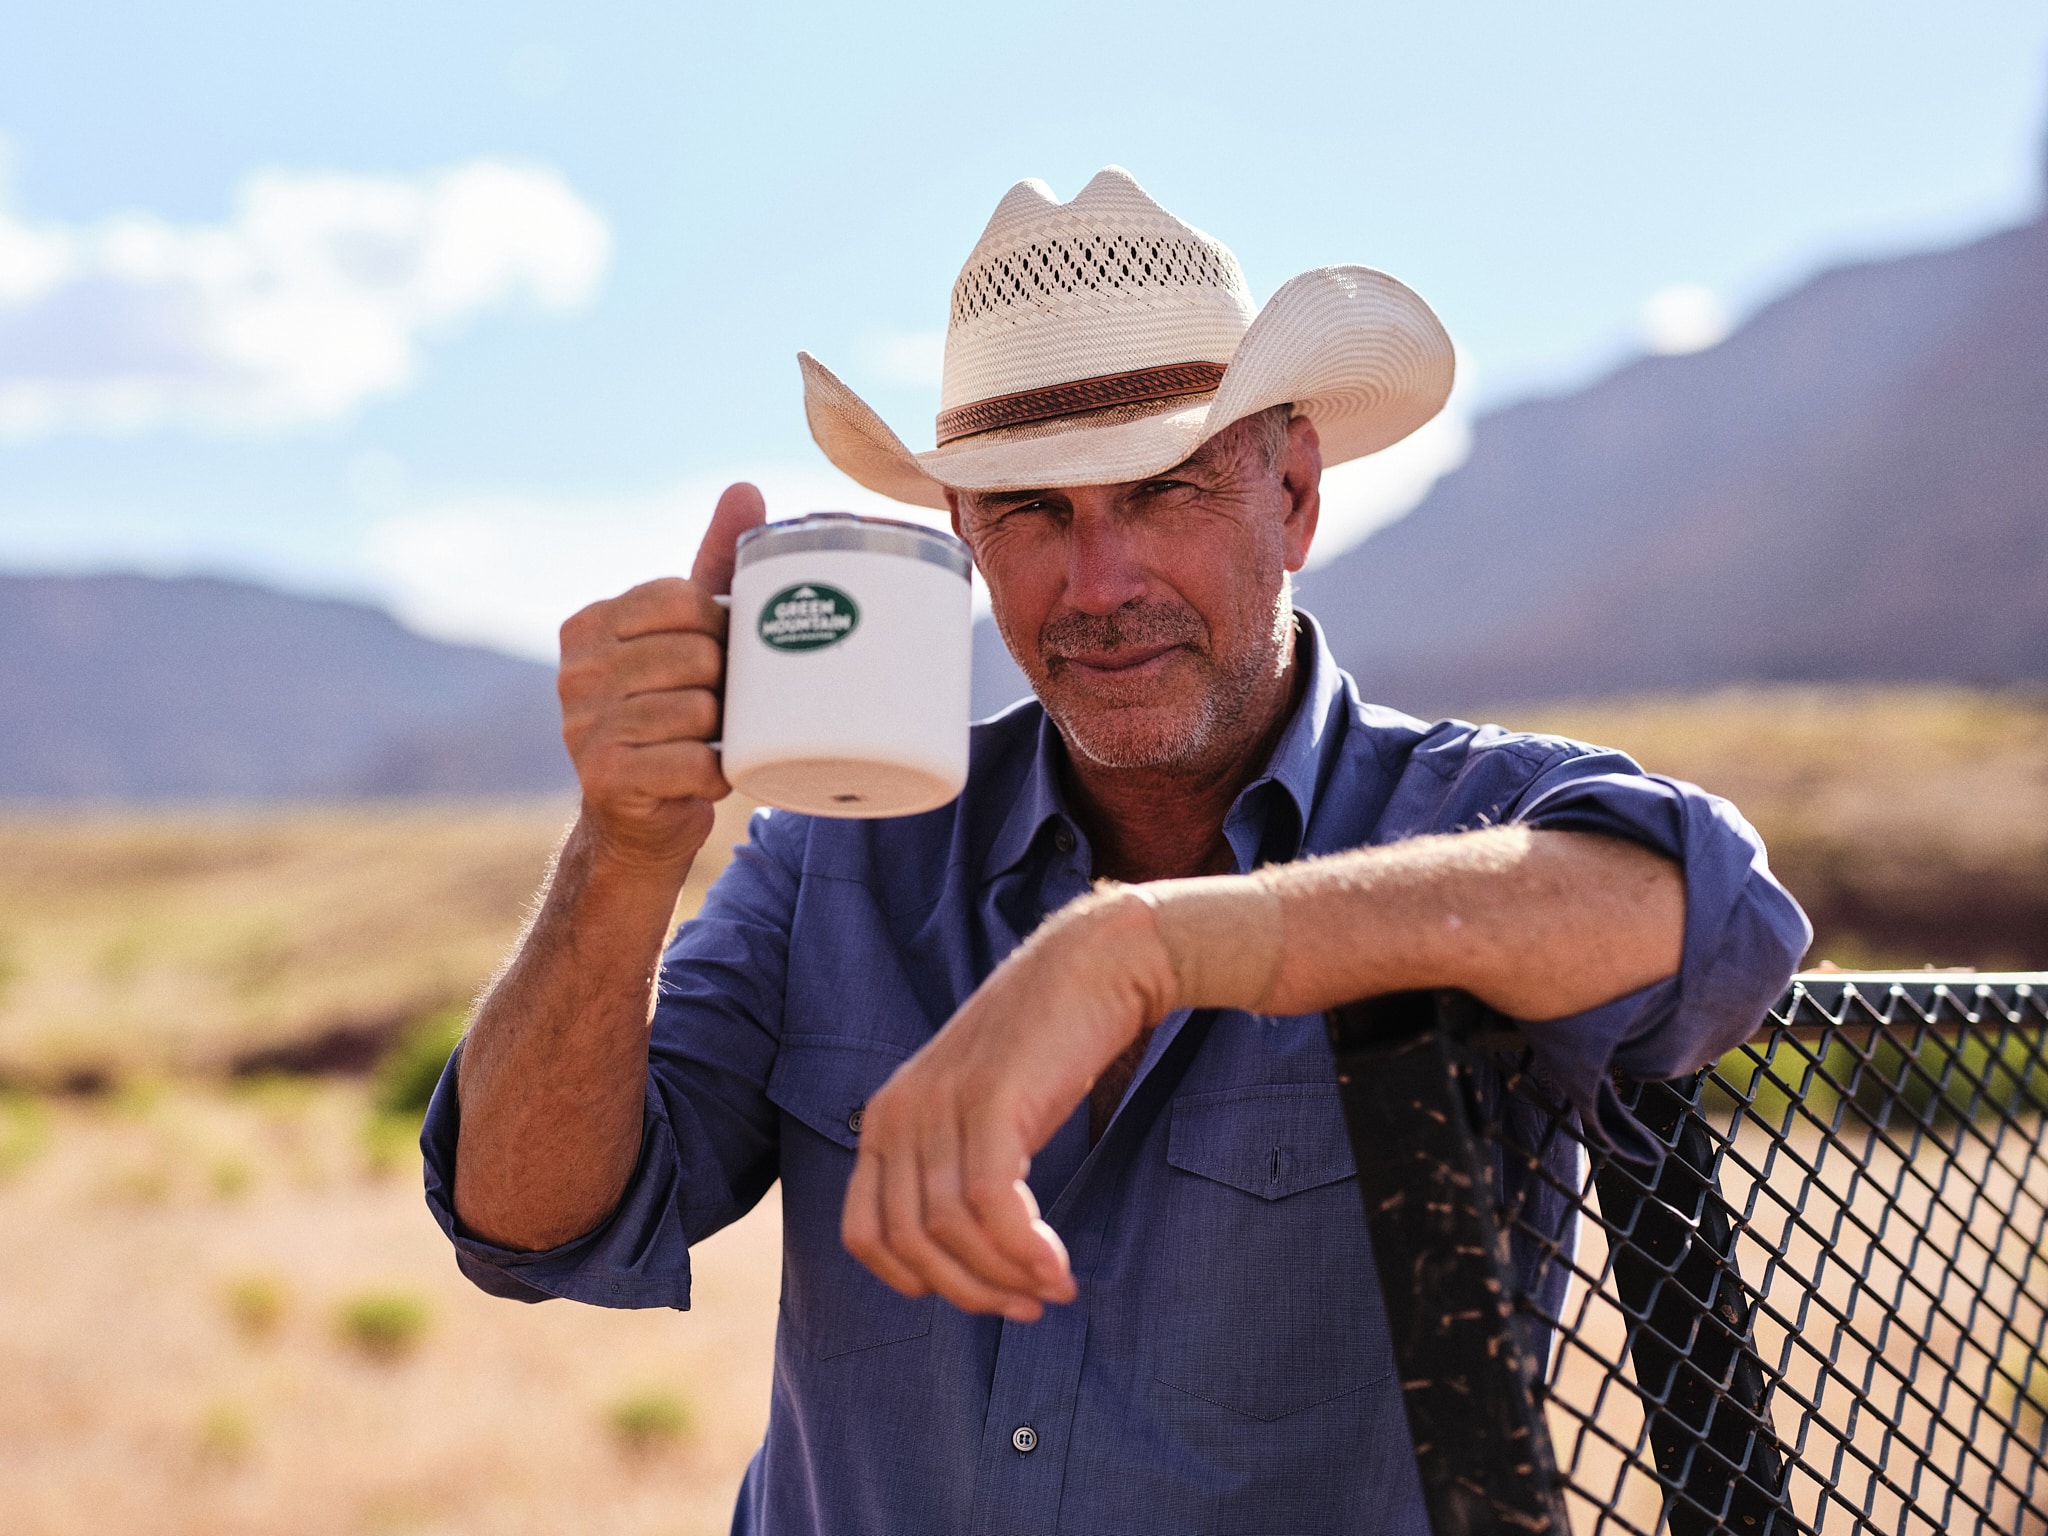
(1537, 924)
(554, 1067)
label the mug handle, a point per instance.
(724, 600)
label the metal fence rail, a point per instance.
(1823, 1308)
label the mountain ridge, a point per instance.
(1852, 486)
(130, 687)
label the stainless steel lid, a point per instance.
(844, 530)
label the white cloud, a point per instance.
(506, 570)
(1366, 494)
(908, 357)
(314, 297)
(1683, 318)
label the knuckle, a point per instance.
(581, 625)
(987, 1194)
(579, 678)
(948, 1218)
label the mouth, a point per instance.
(1125, 661)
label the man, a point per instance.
(1072, 1242)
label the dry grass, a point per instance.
(135, 942)
(176, 1361)
(1912, 823)
(223, 1308)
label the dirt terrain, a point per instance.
(221, 1314)
(223, 1307)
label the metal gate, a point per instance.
(1823, 1308)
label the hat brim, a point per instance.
(1356, 351)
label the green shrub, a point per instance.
(230, 1177)
(24, 1131)
(383, 1325)
(647, 1421)
(225, 1434)
(255, 1304)
(1944, 1076)
(409, 1070)
(389, 1141)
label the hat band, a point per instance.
(1133, 388)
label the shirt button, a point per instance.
(855, 1120)
(1063, 839)
(1025, 1438)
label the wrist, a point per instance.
(1223, 937)
(613, 886)
(627, 862)
(1108, 944)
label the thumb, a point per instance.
(739, 509)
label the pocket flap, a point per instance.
(1271, 1141)
(823, 1080)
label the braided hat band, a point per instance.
(1141, 328)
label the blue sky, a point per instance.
(472, 307)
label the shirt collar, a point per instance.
(1301, 760)
(1299, 766)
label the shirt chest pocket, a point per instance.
(831, 1301)
(1273, 1305)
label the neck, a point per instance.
(1167, 823)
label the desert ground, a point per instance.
(224, 1308)
(219, 1314)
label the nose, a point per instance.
(1104, 565)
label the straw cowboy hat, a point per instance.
(1103, 340)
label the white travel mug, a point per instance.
(847, 666)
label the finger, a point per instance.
(1009, 1220)
(667, 603)
(675, 714)
(739, 509)
(660, 662)
(669, 770)
(960, 1226)
(860, 1227)
(904, 1234)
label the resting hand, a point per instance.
(938, 1202)
(641, 683)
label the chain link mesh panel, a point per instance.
(1822, 1308)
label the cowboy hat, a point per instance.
(1104, 340)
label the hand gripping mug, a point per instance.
(847, 666)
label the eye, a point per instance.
(1162, 487)
(1025, 508)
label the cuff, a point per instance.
(586, 1268)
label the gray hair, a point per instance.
(1268, 432)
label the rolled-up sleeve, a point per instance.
(1744, 934)
(709, 1134)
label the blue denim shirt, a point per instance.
(1227, 1366)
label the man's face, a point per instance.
(1153, 617)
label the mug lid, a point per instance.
(846, 530)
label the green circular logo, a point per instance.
(808, 617)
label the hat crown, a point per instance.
(1109, 283)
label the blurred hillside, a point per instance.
(1852, 487)
(135, 688)
(1911, 823)
(139, 943)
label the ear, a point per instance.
(1301, 477)
(953, 511)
